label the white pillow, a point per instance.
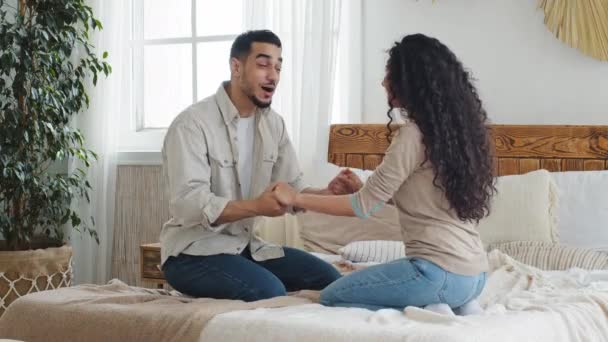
(524, 209)
(373, 251)
(583, 208)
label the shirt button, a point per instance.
(225, 161)
(246, 229)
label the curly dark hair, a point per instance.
(430, 83)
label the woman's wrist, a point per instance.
(297, 201)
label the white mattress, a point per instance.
(521, 304)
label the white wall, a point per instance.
(524, 74)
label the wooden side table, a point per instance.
(149, 257)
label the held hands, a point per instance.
(346, 182)
(279, 196)
(276, 200)
(268, 205)
(285, 194)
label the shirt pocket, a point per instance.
(223, 174)
(269, 160)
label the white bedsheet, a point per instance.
(521, 304)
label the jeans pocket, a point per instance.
(429, 271)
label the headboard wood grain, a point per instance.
(518, 148)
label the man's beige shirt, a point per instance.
(200, 171)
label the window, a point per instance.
(180, 53)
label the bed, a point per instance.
(522, 303)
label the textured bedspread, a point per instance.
(521, 304)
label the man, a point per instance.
(221, 157)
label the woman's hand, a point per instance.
(346, 182)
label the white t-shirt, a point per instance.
(245, 134)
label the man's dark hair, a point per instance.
(242, 44)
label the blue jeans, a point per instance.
(401, 283)
(240, 277)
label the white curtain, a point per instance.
(108, 100)
(309, 31)
(348, 99)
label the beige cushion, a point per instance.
(583, 208)
(548, 256)
(327, 234)
(524, 209)
(282, 230)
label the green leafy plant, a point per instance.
(45, 61)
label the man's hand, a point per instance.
(346, 182)
(285, 194)
(268, 205)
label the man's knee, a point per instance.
(257, 285)
(325, 274)
(331, 274)
(305, 271)
(264, 290)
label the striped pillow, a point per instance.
(548, 256)
(373, 251)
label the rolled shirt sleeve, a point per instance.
(191, 201)
(403, 156)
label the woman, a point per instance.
(438, 173)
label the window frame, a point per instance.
(134, 135)
(138, 42)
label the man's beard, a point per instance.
(259, 103)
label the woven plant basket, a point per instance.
(23, 272)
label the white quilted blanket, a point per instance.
(521, 304)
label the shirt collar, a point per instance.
(227, 108)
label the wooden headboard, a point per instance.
(519, 148)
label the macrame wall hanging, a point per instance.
(582, 24)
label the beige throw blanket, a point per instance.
(117, 312)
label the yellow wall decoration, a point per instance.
(582, 24)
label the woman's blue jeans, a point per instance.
(401, 283)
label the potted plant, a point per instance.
(45, 63)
